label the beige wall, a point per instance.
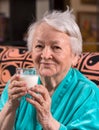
(4, 7)
(78, 6)
(41, 7)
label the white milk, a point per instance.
(31, 80)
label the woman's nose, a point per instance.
(46, 53)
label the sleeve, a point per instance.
(86, 117)
(4, 96)
(88, 121)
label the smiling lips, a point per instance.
(46, 64)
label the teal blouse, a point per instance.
(75, 104)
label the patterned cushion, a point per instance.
(13, 57)
(88, 64)
(10, 59)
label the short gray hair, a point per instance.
(62, 21)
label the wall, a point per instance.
(78, 6)
(91, 42)
(41, 7)
(4, 7)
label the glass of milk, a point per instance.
(29, 75)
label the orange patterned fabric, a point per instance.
(13, 57)
(10, 59)
(89, 65)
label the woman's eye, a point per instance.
(57, 48)
(38, 46)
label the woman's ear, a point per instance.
(75, 59)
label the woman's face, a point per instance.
(52, 55)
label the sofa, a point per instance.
(12, 57)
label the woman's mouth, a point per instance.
(46, 64)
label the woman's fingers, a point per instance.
(40, 96)
(15, 77)
(41, 100)
(16, 88)
(37, 97)
(39, 89)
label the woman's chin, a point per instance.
(46, 74)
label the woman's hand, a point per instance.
(42, 102)
(16, 90)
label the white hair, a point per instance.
(62, 21)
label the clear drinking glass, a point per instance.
(29, 75)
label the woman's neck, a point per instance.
(51, 83)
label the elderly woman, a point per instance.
(64, 99)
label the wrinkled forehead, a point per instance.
(44, 29)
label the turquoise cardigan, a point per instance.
(75, 104)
